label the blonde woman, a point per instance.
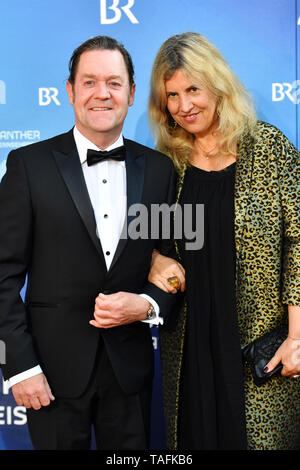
(244, 281)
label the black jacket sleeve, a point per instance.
(15, 247)
(166, 246)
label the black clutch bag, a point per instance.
(258, 353)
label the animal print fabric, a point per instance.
(267, 235)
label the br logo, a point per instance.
(2, 92)
(47, 95)
(117, 13)
(289, 90)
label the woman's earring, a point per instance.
(171, 122)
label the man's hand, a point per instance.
(33, 392)
(119, 309)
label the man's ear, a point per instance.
(131, 95)
(69, 88)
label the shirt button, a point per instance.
(107, 253)
(104, 181)
(105, 216)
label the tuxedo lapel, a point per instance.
(135, 172)
(69, 165)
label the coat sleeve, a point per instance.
(15, 251)
(166, 246)
(288, 166)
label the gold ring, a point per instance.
(174, 281)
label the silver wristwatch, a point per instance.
(150, 313)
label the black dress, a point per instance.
(211, 404)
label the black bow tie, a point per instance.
(96, 156)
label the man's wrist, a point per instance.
(150, 314)
(156, 319)
(23, 376)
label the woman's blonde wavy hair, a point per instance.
(202, 63)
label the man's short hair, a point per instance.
(104, 43)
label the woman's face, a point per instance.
(193, 108)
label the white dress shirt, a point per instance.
(106, 185)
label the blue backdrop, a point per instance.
(260, 39)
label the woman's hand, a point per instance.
(289, 355)
(163, 268)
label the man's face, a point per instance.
(101, 95)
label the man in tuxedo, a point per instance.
(63, 207)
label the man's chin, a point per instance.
(103, 126)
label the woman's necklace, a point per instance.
(214, 159)
(207, 153)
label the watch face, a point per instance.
(150, 313)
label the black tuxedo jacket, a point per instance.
(48, 232)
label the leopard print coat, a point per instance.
(267, 235)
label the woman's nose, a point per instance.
(185, 104)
